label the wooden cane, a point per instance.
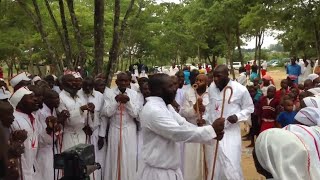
(120, 143)
(195, 87)
(222, 109)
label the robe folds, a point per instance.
(163, 128)
(228, 165)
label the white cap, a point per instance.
(76, 75)
(18, 78)
(312, 76)
(309, 116)
(314, 91)
(4, 94)
(36, 78)
(18, 95)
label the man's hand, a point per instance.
(201, 122)
(51, 121)
(218, 126)
(13, 171)
(19, 136)
(232, 119)
(15, 150)
(122, 98)
(63, 116)
(202, 108)
(100, 142)
(87, 130)
(91, 107)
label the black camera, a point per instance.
(77, 162)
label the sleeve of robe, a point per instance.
(166, 126)
(110, 106)
(187, 110)
(75, 114)
(246, 105)
(132, 106)
(44, 137)
(103, 122)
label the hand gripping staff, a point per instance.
(195, 87)
(222, 109)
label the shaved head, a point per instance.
(222, 68)
(221, 76)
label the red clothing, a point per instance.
(248, 67)
(1, 73)
(279, 93)
(268, 112)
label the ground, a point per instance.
(248, 167)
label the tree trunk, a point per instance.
(98, 35)
(239, 46)
(316, 32)
(69, 57)
(82, 53)
(256, 48)
(39, 26)
(116, 40)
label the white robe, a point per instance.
(28, 158)
(73, 133)
(228, 165)
(305, 71)
(163, 128)
(129, 136)
(44, 165)
(194, 153)
(98, 125)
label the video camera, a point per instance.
(77, 162)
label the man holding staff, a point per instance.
(237, 109)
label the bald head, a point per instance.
(222, 68)
(221, 76)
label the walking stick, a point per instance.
(195, 87)
(120, 143)
(222, 109)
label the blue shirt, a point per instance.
(253, 76)
(286, 118)
(186, 74)
(294, 70)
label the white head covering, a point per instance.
(35, 79)
(18, 78)
(18, 95)
(283, 154)
(314, 91)
(312, 101)
(309, 116)
(311, 138)
(76, 75)
(54, 77)
(4, 94)
(312, 76)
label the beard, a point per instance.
(168, 97)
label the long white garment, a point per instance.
(129, 136)
(283, 154)
(163, 128)
(194, 167)
(229, 155)
(305, 71)
(94, 120)
(310, 137)
(242, 79)
(44, 166)
(28, 158)
(73, 133)
(180, 96)
(140, 102)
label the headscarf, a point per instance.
(18, 78)
(309, 116)
(18, 95)
(283, 154)
(312, 76)
(311, 137)
(4, 94)
(315, 91)
(312, 101)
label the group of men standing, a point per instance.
(163, 130)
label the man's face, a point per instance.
(78, 83)
(70, 85)
(180, 79)
(87, 87)
(39, 98)
(51, 83)
(29, 103)
(53, 101)
(220, 79)
(201, 81)
(7, 117)
(123, 82)
(100, 87)
(271, 92)
(168, 91)
(145, 90)
(284, 84)
(252, 91)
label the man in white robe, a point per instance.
(163, 128)
(194, 166)
(95, 122)
(228, 165)
(25, 103)
(70, 101)
(121, 107)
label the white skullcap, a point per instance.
(2, 79)
(309, 116)
(76, 75)
(312, 101)
(4, 94)
(312, 76)
(283, 154)
(18, 95)
(35, 79)
(314, 91)
(18, 78)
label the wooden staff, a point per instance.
(120, 143)
(222, 109)
(195, 87)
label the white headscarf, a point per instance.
(312, 101)
(18, 95)
(312, 76)
(314, 91)
(309, 116)
(18, 78)
(283, 154)
(4, 94)
(311, 138)
(35, 79)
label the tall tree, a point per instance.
(98, 35)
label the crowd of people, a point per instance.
(185, 125)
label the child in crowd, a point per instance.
(287, 116)
(267, 109)
(294, 93)
(254, 129)
(283, 90)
